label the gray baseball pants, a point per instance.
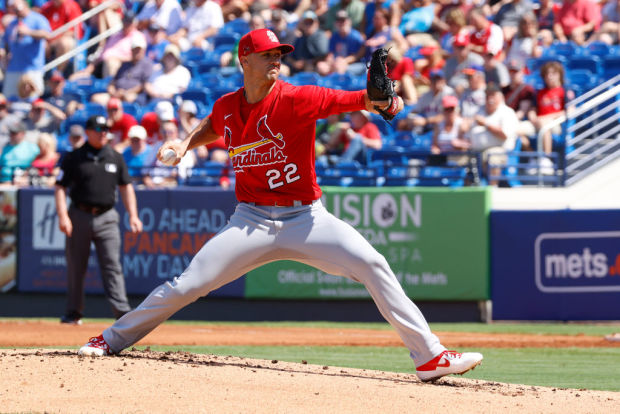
(104, 231)
(256, 235)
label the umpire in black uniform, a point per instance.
(92, 173)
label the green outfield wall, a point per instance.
(436, 241)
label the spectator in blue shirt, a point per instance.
(17, 153)
(416, 23)
(24, 41)
(139, 156)
(346, 47)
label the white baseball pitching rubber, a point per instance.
(169, 156)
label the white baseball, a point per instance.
(169, 156)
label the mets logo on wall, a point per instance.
(266, 151)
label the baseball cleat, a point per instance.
(96, 346)
(448, 362)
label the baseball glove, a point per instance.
(379, 86)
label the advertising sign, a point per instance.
(8, 220)
(177, 222)
(556, 265)
(436, 241)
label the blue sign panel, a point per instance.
(177, 223)
(555, 265)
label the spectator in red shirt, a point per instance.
(120, 123)
(152, 121)
(576, 20)
(550, 103)
(355, 138)
(487, 37)
(401, 69)
(58, 13)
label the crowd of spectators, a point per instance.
(460, 66)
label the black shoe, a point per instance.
(71, 319)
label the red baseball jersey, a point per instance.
(271, 142)
(550, 101)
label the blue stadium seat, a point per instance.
(305, 78)
(589, 63)
(443, 176)
(225, 38)
(610, 66)
(197, 95)
(565, 49)
(238, 26)
(599, 49)
(93, 108)
(207, 174)
(133, 109)
(401, 175)
(581, 80)
(535, 64)
(194, 54)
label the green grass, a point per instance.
(591, 368)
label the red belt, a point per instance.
(285, 203)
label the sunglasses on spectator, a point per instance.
(101, 129)
(449, 109)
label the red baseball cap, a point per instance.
(260, 40)
(460, 40)
(114, 103)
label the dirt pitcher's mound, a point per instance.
(179, 382)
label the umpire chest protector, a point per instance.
(92, 175)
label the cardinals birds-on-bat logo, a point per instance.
(246, 156)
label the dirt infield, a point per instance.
(57, 381)
(47, 333)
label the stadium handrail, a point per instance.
(575, 108)
(72, 24)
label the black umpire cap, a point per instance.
(97, 123)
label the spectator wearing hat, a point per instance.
(43, 118)
(163, 176)
(139, 156)
(117, 50)
(203, 20)
(352, 141)
(91, 174)
(120, 123)
(169, 78)
(346, 48)
(524, 44)
(76, 136)
(576, 20)
(460, 59)
(519, 95)
(353, 8)
(130, 79)
(6, 118)
(495, 70)
(383, 33)
(164, 13)
(25, 40)
(545, 16)
(431, 58)
(493, 132)
(427, 112)
(152, 121)
(311, 46)
(279, 25)
(473, 97)
(59, 13)
(56, 96)
(17, 154)
(486, 37)
(448, 133)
